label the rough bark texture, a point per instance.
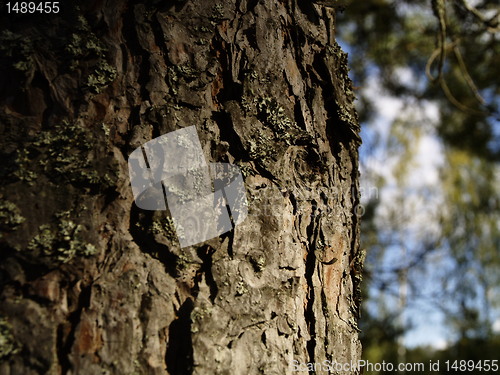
(93, 285)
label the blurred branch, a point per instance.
(467, 77)
(492, 24)
(438, 52)
(439, 9)
(454, 101)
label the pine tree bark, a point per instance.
(91, 284)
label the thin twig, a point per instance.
(446, 90)
(466, 75)
(454, 101)
(439, 9)
(490, 26)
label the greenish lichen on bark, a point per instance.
(102, 75)
(63, 154)
(84, 46)
(60, 242)
(10, 216)
(8, 344)
(18, 48)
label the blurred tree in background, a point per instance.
(441, 56)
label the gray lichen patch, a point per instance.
(10, 216)
(88, 52)
(164, 226)
(61, 242)
(185, 74)
(217, 11)
(18, 49)
(83, 43)
(197, 315)
(187, 71)
(245, 168)
(183, 261)
(8, 344)
(261, 148)
(279, 129)
(101, 77)
(241, 288)
(275, 116)
(65, 154)
(24, 171)
(336, 59)
(258, 262)
(270, 144)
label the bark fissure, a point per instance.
(206, 255)
(66, 341)
(131, 36)
(138, 230)
(311, 265)
(179, 355)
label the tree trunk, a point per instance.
(92, 284)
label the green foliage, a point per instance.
(466, 352)
(471, 228)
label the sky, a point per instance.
(377, 160)
(411, 194)
(417, 195)
(410, 200)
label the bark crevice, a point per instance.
(179, 354)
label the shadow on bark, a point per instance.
(179, 357)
